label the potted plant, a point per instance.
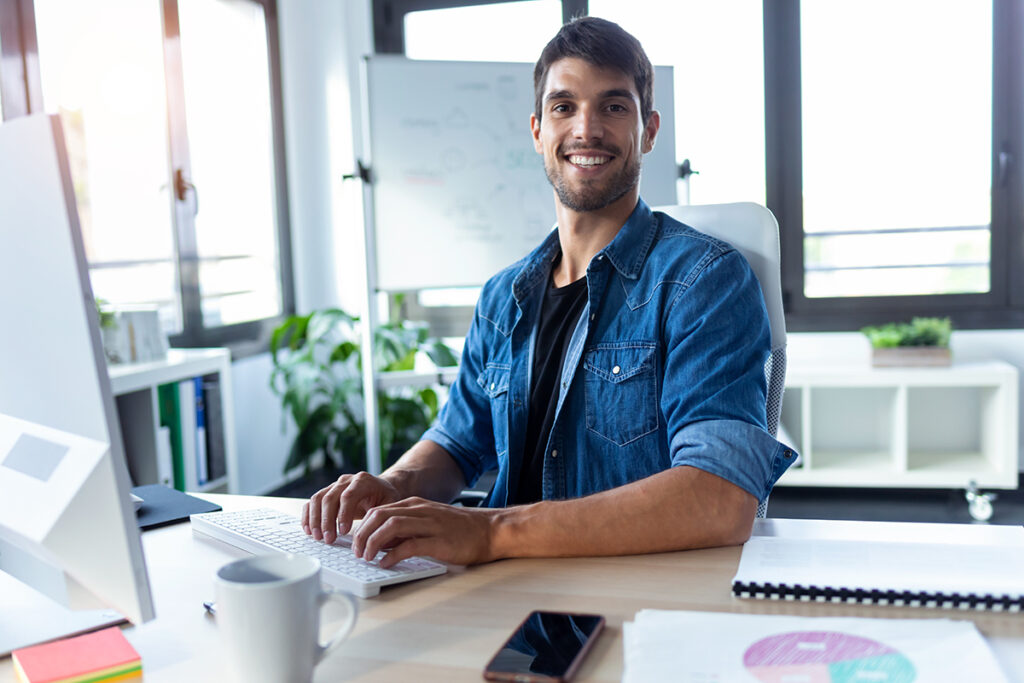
(318, 376)
(921, 342)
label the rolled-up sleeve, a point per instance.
(463, 427)
(713, 398)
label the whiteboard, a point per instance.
(458, 190)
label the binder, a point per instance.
(215, 447)
(170, 417)
(946, 566)
(202, 465)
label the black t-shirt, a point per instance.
(559, 313)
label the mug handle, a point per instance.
(341, 596)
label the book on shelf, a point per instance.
(202, 465)
(886, 563)
(98, 656)
(215, 446)
(170, 417)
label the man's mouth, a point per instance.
(588, 160)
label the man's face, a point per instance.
(591, 134)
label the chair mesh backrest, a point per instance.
(775, 377)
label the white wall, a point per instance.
(967, 345)
(321, 43)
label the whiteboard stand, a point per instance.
(370, 317)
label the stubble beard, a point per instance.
(592, 195)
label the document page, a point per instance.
(706, 647)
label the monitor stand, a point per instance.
(31, 618)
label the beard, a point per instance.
(592, 195)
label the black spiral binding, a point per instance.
(861, 596)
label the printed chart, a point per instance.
(826, 657)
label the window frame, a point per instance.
(389, 18)
(20, 77)
(1003, 306)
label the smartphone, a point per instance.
(547, 646)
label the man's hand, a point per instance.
(330, 510)
(415, 526)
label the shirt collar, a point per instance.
(626, 252)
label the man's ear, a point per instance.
(535, 129)
(651, 132)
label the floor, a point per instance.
(891, 505)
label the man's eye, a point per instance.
(618, 108)
(560, 108)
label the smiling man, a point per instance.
(614, 378)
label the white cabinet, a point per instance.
(136, 392)
(903, 427)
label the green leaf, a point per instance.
(343, 351)
(441, 354)
(429, 398)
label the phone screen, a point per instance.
(547, 645)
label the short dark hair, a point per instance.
(604, 44)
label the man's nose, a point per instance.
(587, 124)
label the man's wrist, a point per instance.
(508, 531)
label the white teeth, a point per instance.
(588, 161)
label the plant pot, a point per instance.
(911, 357)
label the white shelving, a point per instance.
(903, 427)
(135, 388)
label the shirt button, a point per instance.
(616, 370)
(492, 386)
(591, 316)
(554, 453)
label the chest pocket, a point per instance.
(621, 389)
(494, 383)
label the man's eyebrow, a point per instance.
(625, 93)
(619, 92)
(558, 95)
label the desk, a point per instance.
(446, 628)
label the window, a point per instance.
(508, 32)
(889, 160)
(171, 111)
(719, 112)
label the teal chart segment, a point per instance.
(826, 657)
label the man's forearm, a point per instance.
(428, 471)
(677, 509)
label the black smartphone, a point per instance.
(547, 646)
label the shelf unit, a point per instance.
(903, 427)
(135, 387)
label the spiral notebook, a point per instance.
(886, 563)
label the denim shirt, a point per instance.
(664, 368)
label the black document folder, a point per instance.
(162, 505)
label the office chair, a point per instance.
(754, 232)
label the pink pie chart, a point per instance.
(826, 657)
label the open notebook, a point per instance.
(927, 565)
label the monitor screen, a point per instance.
(66, 522)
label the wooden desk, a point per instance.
(446, 628)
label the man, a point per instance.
(614, 377)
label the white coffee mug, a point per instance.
(268, 613)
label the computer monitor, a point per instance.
(67, 526)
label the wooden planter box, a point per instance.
(911, 356)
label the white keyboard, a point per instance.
(261, 531)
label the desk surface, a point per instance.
(446, 628)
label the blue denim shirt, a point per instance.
(664, 368)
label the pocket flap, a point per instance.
(494, 379)
(619, 361)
